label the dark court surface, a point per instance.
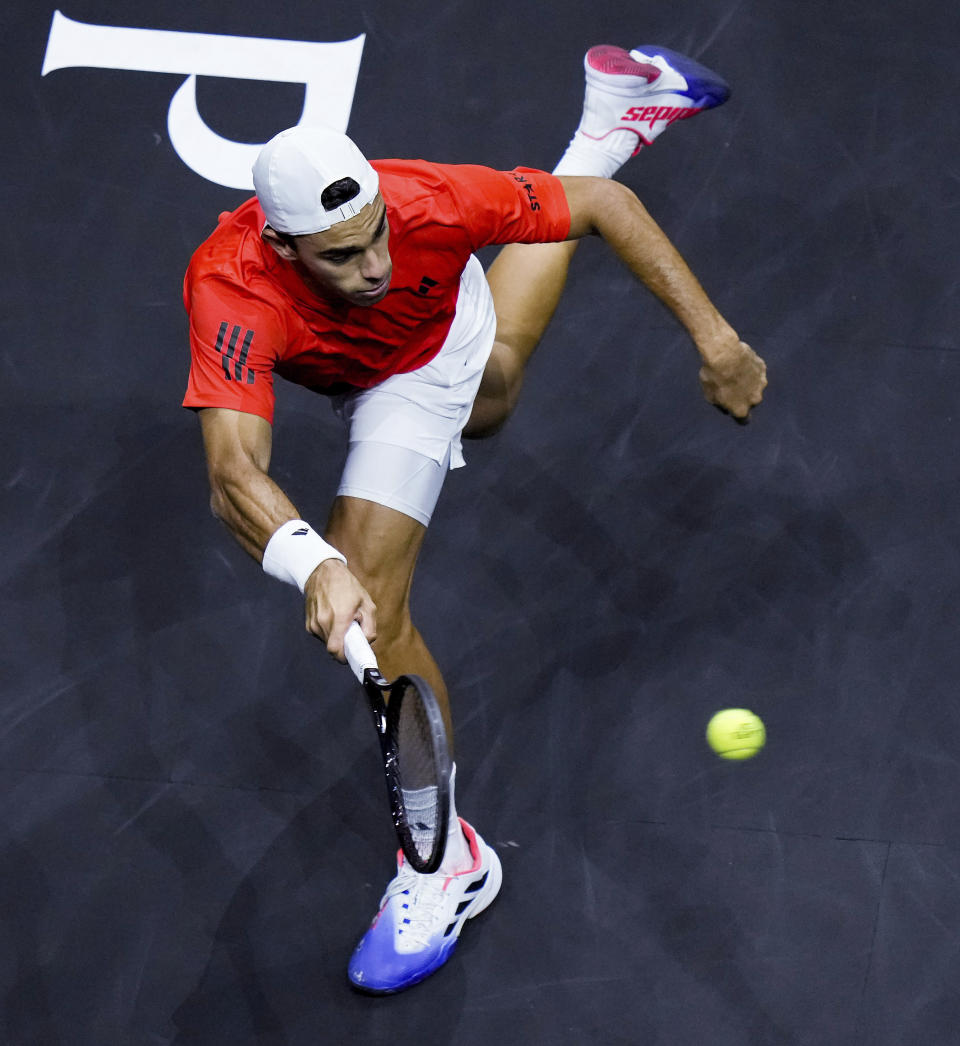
(194, 831)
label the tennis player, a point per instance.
(358, 280)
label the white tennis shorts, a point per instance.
(405, 433)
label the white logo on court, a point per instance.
(328, 71)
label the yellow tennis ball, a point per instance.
(736, 733)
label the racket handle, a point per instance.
(359, 653)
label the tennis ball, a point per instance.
(736, 733)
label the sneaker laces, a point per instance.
(425, 902)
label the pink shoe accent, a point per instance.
(606, 58)
(471, 836)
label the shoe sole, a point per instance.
(705, 88)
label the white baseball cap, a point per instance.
(294, 168)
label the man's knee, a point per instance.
(395, 633)
(381, 546)
(389, 591)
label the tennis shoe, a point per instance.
(420, 919)
(632, 97)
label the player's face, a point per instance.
(352, 259)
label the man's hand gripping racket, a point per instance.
(416, 760)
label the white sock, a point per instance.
(584, 157)
(420, 804)
(457, 856)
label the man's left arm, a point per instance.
(733, 376)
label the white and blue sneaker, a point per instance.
(420, 919)
(631, 98)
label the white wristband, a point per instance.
(295, 551)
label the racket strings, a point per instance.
(418, 773)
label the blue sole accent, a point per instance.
(703, 84)
(402, 983)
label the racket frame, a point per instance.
(386, 701)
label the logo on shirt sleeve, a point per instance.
(230, 358)
(529, 190)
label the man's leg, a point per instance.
(420, 916)
(630, 99)
(526, 281)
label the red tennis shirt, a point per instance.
(251, 315)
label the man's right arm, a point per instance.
(254, 508)
(733, 376)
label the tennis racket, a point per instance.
(416, 760)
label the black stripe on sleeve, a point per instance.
(242, 359)
(222, 332)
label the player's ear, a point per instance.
(283, 245)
